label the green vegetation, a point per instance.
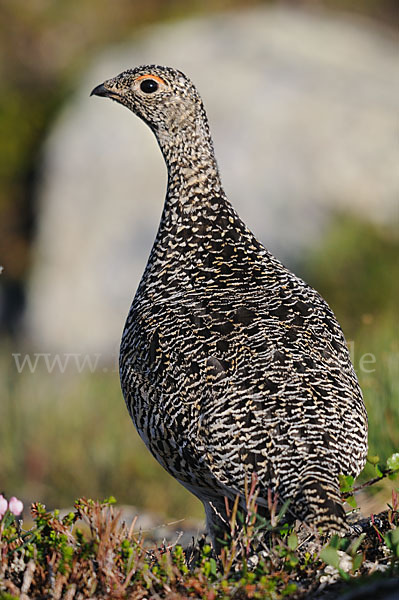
(91, 554)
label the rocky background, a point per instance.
(302, 106)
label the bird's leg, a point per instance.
(217, 524)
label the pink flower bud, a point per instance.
(15, 506)
(3, 505)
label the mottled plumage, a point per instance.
(230, 364)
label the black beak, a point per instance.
(100, 90)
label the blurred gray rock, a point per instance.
(303, 109)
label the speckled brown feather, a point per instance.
(229, 363)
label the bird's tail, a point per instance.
(320, 503)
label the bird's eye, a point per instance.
(148, 86)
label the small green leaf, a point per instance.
(357, 562)
(351, 501)
(330, 556)
(292, 541)
(110, 500)
(378, 471)
(345, 576)
(213, 566)
(206, 550)
(335, 541)
(373, 459)
(355, 544)
(391, 539)
(393, 462)
(346, 483)
(293, 560)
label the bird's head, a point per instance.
(163, 97)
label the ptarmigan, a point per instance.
(231, 365)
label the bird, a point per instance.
(233, 369)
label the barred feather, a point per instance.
(230, 364)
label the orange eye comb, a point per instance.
(149, 76)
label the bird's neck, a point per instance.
(193, 174)
(195, 209)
